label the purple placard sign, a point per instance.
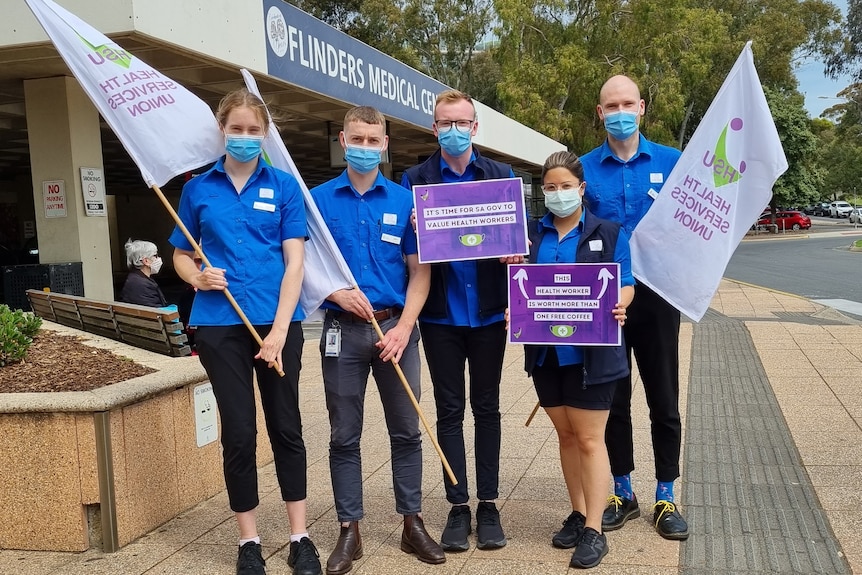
(470, 220)
(564, 304)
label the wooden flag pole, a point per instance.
(532, 415)
(418, 409)
(206, 262)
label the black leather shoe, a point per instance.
(618, 511)
(250, 561)
(348, 548)
(592, 547)
(304, 558)
(489, 531)
(416, 540)
(570, 534)
(668, 521)
(457, 529)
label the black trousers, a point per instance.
(447, 348)
(652, 333)
(227, 354)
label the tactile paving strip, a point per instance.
(749, 502)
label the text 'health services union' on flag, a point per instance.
(166, 129)
(325, 268)
(719, 186)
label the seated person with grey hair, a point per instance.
(140, 288)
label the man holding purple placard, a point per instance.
(462, 322)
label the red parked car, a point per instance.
(786, 220)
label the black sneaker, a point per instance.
(668, 521)
(618, 511)
(457, 529)
(250, 560)
(570, 534)
(489, 532)
(304, 558)
(592, 547)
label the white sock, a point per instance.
(244, 541)
(298, 536)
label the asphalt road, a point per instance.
(819, 266)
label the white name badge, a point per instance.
(264, 206)
(333, 342)
(267, 193)
(391, 239)
(595, 245)
(652, 193)
(390, 219)
(656, 178)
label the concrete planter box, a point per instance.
(103, 467)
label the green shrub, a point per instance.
(17, 330)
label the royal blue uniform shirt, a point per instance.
(243, 234)
(373, 232)
(553, 250)
(462, 297)
(624, 191)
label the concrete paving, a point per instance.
(772, 416)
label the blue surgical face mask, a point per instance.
(362, 159)
(621, 125)
(563, 203)
(243, 148)
(453, 141)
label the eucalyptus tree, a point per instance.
(555, 54)
(802, 182)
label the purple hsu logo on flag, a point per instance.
(165, 128)
(717, 189)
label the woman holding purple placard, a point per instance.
(575, 384)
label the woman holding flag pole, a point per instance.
(250, 219)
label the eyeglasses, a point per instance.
(460, 125)
(565, 187)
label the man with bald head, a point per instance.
(624, 176)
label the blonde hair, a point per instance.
(364, 114)
(240, 98)
(452, 97)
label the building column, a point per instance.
(63, 130)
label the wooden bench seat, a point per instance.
(155, 329)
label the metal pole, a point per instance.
(105, 470)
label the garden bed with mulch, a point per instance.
(57, 362)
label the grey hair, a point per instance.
(137, 250)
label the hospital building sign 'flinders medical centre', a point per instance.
(308, 53)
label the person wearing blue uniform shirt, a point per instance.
(250, 221)
(369, 218)
(624, 176)
(463, 322)
(575, 384)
